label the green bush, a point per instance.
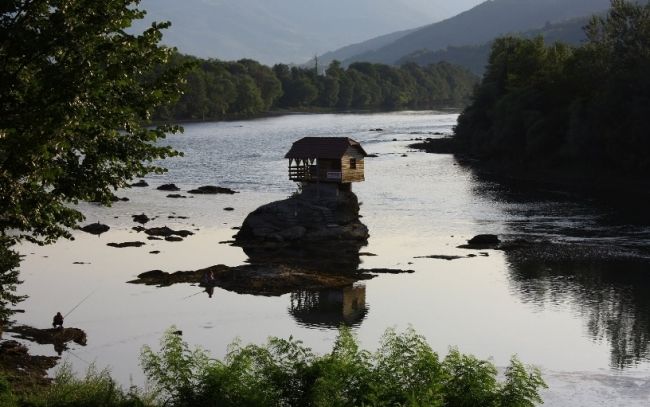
(404, 371)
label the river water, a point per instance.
(583, 317)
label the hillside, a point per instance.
(350, 51)
(475, 57)
(482, 24)
(288, 31)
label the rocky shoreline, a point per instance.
(25, 371)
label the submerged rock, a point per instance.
(212, 190)
(442, 257)
(96, 228)
(444, 145)
(166, 232)
(260, 279)
(112, 198)
(176, 196)
(126, 244)
(484, 240)
(168, 187)
(141, 184)
(141, 218)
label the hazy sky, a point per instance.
(289, 30)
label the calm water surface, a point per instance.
(585, 322)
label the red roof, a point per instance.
(323, 147)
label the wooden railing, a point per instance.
(312, 173)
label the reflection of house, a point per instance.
(330, 308)
(338, 160)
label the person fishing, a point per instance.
(57, 321)
(208, 279)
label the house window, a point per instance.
(353, 163)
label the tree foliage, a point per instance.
(76, 90)
(217, 90)
(557, 106)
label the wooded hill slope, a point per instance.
(480, 25)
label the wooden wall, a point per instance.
(349, 174)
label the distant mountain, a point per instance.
(474, 57)
(481, 24)
(287, 31)
(345, 53)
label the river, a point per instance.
(583, 318)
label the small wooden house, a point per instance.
(336, 160)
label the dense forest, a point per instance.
(559, 107)
(218, 90)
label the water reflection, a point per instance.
(331, 257)
(330, 308)
(322, 308)
(591, 252)
(612, 295)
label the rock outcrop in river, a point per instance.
(317, 214)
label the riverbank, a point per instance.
(309, 111)
(597, 182)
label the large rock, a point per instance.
(306, 217)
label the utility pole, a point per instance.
(316, 64)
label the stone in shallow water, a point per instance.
(168, 187)
(96, 228)
(166, 232)
(142, 218)
(141, 184)
(126, 244)
(484, 240)
(212, 190)
(441, 257)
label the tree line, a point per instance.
(561, 107)
(216, 90)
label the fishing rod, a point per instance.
(78, 357)
(82, 301)
(193, 295)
